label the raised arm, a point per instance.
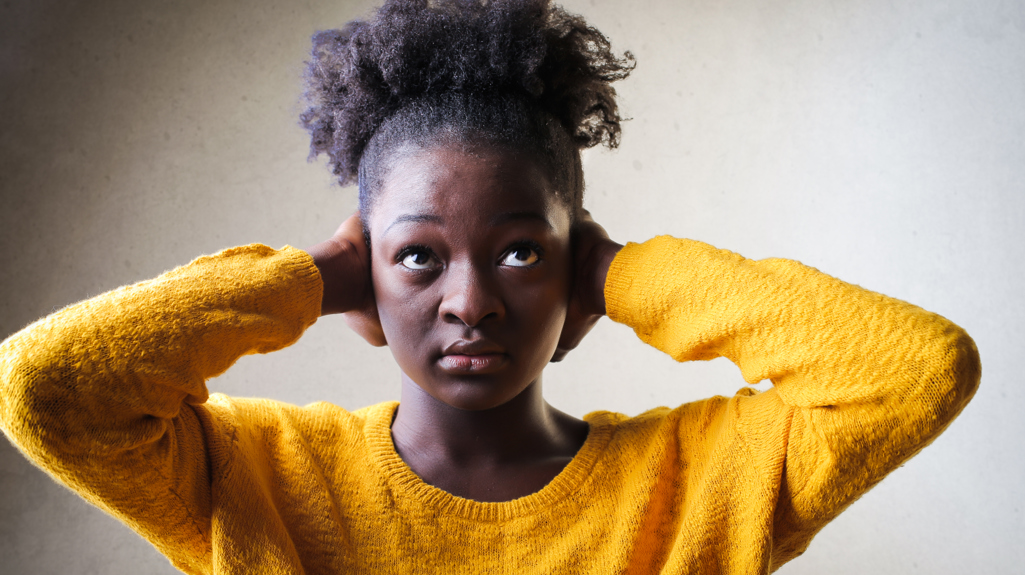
(105, 395)
(861, 381)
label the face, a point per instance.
(471, 267)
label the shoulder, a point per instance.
(692, 439)
(269, 424)
(658, 427)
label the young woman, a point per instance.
(473, 260)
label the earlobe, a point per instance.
(368, 325)
(573, 331)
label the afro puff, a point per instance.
(523, 72)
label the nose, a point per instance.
(470, 296)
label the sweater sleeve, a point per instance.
(861, 382)
(104, 394)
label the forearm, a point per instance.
(819, 340)
(108, 373)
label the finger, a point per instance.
(351, 231)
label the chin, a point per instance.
(479, 392)
(475, 396)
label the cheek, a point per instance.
(542, 308)
(405, 311)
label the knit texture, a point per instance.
(108, 396)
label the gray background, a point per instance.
(882, 142)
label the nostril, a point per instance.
(470, 298)
(471, 311)
(469, 319)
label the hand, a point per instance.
(344, 265)
(593, 252)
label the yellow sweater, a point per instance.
(108, 396)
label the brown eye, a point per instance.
(418, 260)
(521, 256)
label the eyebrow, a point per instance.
(415, 218)
(499, 219)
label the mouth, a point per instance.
(472, 357)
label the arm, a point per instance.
(105, 395)
(861, 381)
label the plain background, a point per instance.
(879, 141)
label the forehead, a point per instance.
(470, 187)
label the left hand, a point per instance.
(593, 252)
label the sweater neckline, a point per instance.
(407, 486)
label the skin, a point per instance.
(479, 276)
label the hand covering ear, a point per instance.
(593, 252)
(344, 265)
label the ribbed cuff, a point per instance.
(311, 293)
(619, 283)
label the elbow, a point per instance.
(966, 367)
(15, 383)
(17, 396)
(954, 378)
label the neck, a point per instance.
(496, 454)
(524, 428)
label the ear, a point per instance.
(367, 324)
(578, 324)
(593, 252)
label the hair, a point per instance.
(521, 74)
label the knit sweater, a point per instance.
(109, 397)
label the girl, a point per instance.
(473, 260)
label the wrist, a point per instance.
(603, 256)
(332, 260)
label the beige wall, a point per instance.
(879, 141)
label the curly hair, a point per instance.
(522, 73)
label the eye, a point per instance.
(417, 259)
(521, 256)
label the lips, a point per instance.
(472, 347)
(472, 357)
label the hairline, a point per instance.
(472, 141)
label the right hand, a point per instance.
(344, 265)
